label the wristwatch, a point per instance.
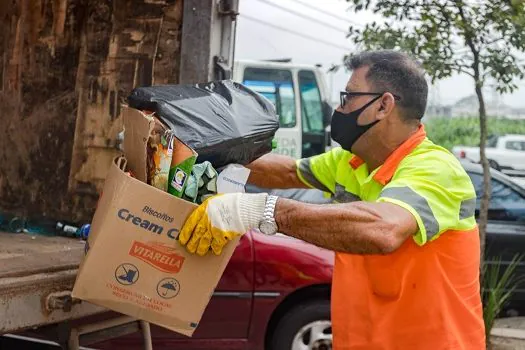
(268, 225)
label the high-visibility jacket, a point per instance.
(426, 294)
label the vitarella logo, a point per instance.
(158, 255)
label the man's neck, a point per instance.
(375, 153)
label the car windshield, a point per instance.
(492, 141)
(506, 204)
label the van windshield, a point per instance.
(277, 86)
(312, 105)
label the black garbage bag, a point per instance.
(224, 121)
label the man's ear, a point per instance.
(386, 105)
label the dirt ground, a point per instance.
(500, 343)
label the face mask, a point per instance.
(344, 128)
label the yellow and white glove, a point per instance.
(220, 219)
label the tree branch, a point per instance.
(487, 73)
(462, 70)
(469, 33)
(493, 41)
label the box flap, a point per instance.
(137, 128)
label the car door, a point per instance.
(519, 155)
(506, 225)
(229, 311)
(227, 316)
(514, 154)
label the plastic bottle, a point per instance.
(73, 231)
(16, 225)
(40, 226)
(84, 231)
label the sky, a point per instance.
(325, 44)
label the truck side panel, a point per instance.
(65, 68)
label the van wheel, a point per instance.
(306, 326)
(494, 165)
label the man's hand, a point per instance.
(220, 219)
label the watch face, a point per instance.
(268, 228)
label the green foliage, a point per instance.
(499, 283)
(478, 38)
(450, 132)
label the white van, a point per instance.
(301, 99)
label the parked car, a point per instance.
(506, 223)
(505, 153)
(275, 292)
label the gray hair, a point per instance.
(397, 73)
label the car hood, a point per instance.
(295, 256)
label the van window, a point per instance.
(277, 86)
(515, 145)
(312, 106)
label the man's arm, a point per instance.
(358, 227)
(274, 171)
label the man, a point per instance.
(407, 247)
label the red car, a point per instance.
(274, 294)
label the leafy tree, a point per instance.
(480, 38)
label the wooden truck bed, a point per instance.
(37, 274)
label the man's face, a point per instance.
(380, 114)
(358, 83)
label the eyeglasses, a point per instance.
(345, 95)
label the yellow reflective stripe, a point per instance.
(467, 209)
(419, 203)
(304, 171)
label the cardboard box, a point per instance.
(134, 264)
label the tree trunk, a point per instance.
(483, 214)
(485, 200)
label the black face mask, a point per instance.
(344, 128)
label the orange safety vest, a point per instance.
(416, 298)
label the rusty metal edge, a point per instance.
(22, 301)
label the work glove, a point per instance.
(220, 219)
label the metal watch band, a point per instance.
(269, 209)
